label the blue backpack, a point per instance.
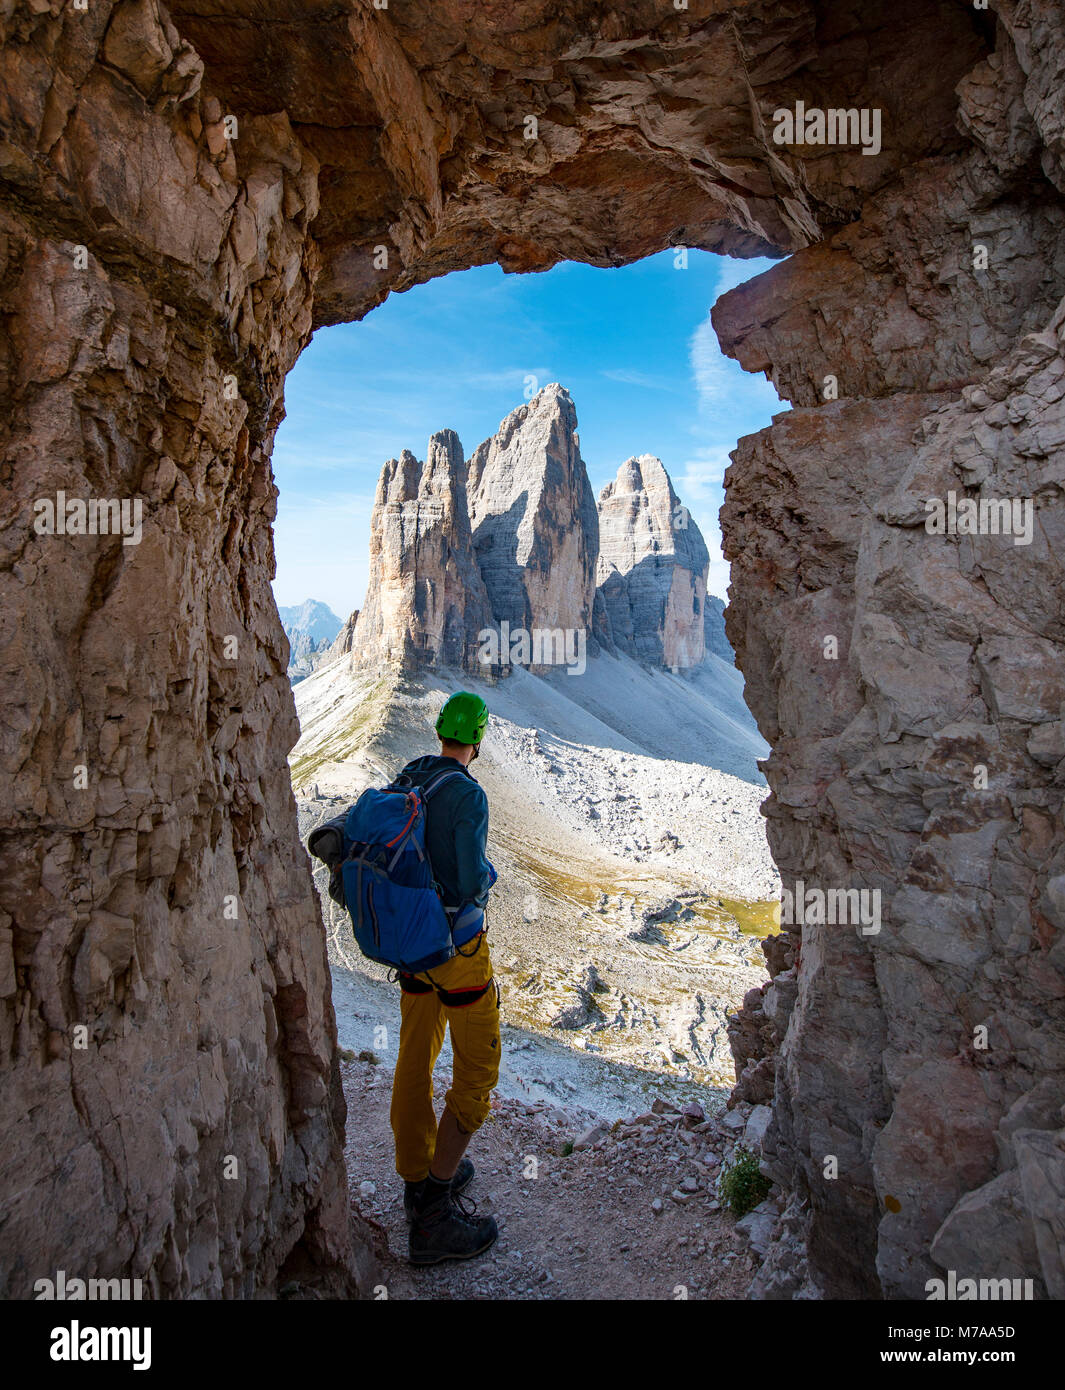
(380, 871)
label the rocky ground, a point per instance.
(677, 813)
(631, 1212)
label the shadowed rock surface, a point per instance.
(345, 637)
(305, 654)
(925, 761)
(532, 510)
(159, 278)
(714, 639)
(425, 601)
(652, 566)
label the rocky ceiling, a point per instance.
(652, 123)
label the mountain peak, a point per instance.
(652, 566)
(640, 473)
(532, 510)
(515, 536)
(311, 617)
(551, 402)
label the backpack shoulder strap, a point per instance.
(431, 788)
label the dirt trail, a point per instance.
(630, 1217)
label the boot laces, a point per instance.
(453, 1207)
(465, 1206)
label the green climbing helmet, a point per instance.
(463, 718)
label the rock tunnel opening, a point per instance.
(472, 565)
(185, 195)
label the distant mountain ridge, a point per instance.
(312, 618)
(311, 627)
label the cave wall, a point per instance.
(151, 364)
(948, 1142)
(170, 1106)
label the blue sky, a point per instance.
(633, 346)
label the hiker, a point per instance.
(460, 994)
(408, 863)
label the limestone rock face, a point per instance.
(652, 567)
(522, 553)
(924, 759)
(714, 637)
(532, 511)
(164, 992)
(345, 638)
(170, 1102)
(425, 601)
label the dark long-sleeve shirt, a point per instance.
(456, 831)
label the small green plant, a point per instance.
(741, 1186)
(567, 1148)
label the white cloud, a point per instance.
(731, 402)
(721, 382)
(708, 366)
(733, 272)
(702, 476)
(629, 377)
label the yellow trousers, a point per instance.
(474, 1044)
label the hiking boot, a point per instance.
(459, 1183)
(449, 1229)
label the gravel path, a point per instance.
(630, 1217)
